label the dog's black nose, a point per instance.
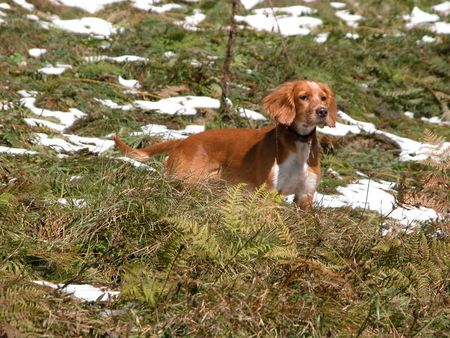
(322, 111)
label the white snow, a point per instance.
(88, 26)
(181, 105)
(135, 163)
(250, 114)
(24, 4)
(290, 10)
(37, 52)
(337, 5)
(443, 8)
(353, 36)
(440, 27)
(409, 114)
(419, 18)
(410, 150)
(350, 19)
(287, 22)
(77, 202)
(5, 105)
(87, 5)
(4, 5)
(149, 6)
(2, 14)
(66, 118)
(75, 143)
(15, 151)
(435, 120)
(426, 39)
(54, 70)
(164, 132)
(248, 4)
(321, 37)
(113, 105)
(169, 54)
(191, 22)
(84, 292)
(44, 123)
(375, 196)
(133, 84)
(32, 17)
(118, 59)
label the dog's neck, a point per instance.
(304, 138)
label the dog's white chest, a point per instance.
(292, 175)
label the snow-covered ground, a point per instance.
(85, 292)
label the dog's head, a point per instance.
(303, 105)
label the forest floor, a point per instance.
(93, 244)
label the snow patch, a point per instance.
(350, 19)
(16, 151)
(164, 132)
(135, 163)
(76, 202)
(420, 18)
(85, 292)
(66, 119)
(250, 114)
(442, 8)
(87, 26)
(248, 4)
(409, 114)
(133, 84)
(4, 5)
(87, 5)
(24, 4)
(118, 59)
(435, 120)
(111, 104)
(191, 22)
(375, 196)
(353, 36)
(149, 6)
(75, 143)
(54, 70)
(181, 105)
(321, 37)
(37, 52)
(337, 5)
(410, 150)
(285, 20)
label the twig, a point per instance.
(226, 108)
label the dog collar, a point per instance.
(302, 137)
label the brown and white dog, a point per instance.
(285, 156)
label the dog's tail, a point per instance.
(144, 153)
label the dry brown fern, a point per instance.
(432, 188)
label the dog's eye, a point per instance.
(303, 98)
(323, 98)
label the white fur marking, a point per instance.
(274, 172)
(314, 86)
(293, 175)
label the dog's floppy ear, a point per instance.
(280, 104)
(332, 106)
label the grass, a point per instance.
(211, 260)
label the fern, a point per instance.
(432, 190)
(250, 228)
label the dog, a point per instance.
(284, 156)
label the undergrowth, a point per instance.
(214, 260)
